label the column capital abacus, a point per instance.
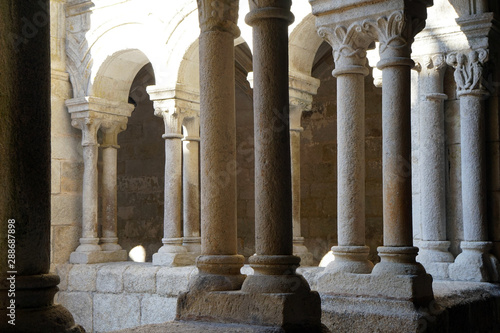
(469, 71)
(218, 15)
(266, 9)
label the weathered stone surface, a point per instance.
(110, 278)
(157, 309)
(82, 278)
(114, 312)
(140, 278)
(171, 281)
(80, 304)
(66, 209)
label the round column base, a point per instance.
(275, 274)
(350, 259)
(435, 258)
(475, 263)
(398, 260)
(34, 309)
(218, 273)
(192, 244)
(110, 244)
(88, 245)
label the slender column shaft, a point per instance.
(219, 264)
(472, 134)
(274, 263)
(89, 241)
(109, 237)
(191, 187)
(475, 262)
(295, 155)
(109, 195)
(396, 148)
(173, 189)
(273, 211)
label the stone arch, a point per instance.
(303, 44)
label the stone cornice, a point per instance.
(219, 15)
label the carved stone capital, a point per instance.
(89, 128)
(395, 32)
(219, 15)
(468, 70)
(349, 46)
(431, 70)
(302, 88)
(111, 128)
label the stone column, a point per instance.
(191, 184)
(433, 254)
(475, 263)
(274, 263)
(25, 175)
(109, 239)
(302, 88)
(219, 264)
(349, 53)
(88, 250)
(170, 254)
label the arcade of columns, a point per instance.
(275, 294)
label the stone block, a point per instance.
(115, 312)
(493, 166)
(171, 281)
(66, 148)
(140, 278)
(373, 148)
(80, 305)
(55, 176)
(66, 209)
(157, 309)
(71, 176)
(82, 278)
(110, 277)
(63, 271)
(65, 240)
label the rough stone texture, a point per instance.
(110, 278)
(80, 304)
(114, 312)
(82, 278)
(172, 281)
(156, 309)
(199, 327)
(140, 279)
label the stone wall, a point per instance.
(141, 165)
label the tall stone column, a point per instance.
(191, 184)
(433, 254)
(109, 239)
(89, 242)
(219, 264)
(301, 90)
(170, 253)
(274, 263)
(349, 52)
(475, 263)
(27, 288)
(395, 33)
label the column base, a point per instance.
(301, 251)
(475, 263)
(97, 257)
(435, 258)
(293, 312)
(350, 259)
(192, 244)
(174, 259)
(35, 311)
(396, 277)
(218, 273)
(275, 274)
